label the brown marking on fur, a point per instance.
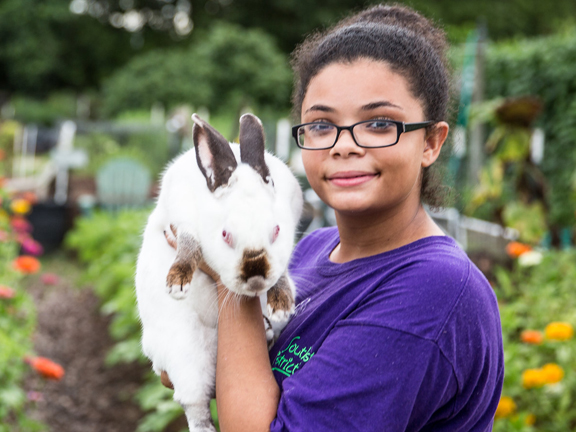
(252, 145)
(280, 296)
(188, 255)
(165, 380)
(254, 263)
(223, 161)
(180, 274)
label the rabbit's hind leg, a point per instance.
(188, 255)
(199, 418)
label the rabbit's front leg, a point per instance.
(188, 255)
(281, 299)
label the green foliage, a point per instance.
(228, 69)
(108, 243)
(55, 107)
(544, 67)
(46, 47)
(17, 324)
(151, 149)
(529, 299)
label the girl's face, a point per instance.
(358, 180)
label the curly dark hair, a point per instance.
(409, 43)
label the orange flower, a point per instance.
(530, 420)
(46, 367)
(6, 292)
(506, 407)
(532, 337)
(26, 264)
(552, 373)
(515, 249)
(20, 206)
(559, 331)
(533, 378)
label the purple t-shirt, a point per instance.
(406, 340)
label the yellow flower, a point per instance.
(559, 331)
(533, 378)
(20, 206)
(530, 420)
(552, 373)
(506, 407)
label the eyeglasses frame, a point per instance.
(401, 127)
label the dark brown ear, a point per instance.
(213, 154)
(252, 145)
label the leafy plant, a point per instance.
(543, 67)
(108, 244)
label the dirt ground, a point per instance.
(71, 331)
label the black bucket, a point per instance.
(50, 223)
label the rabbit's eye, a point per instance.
(227, 237)
(275, 233)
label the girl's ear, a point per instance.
(434, 141)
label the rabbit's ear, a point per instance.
(213, 154)
(252, 145)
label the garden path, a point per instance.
(91, 397)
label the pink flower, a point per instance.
(4, 236)
(6, 292)
(34, 396)
(50, 279)
(32, 247)
(21, 225)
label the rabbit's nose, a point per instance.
(254, 263)
(256, 284)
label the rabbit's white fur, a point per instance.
(179, 330)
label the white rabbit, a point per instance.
(237, 208)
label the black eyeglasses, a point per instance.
(368, 133)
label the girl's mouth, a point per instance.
(350, 178)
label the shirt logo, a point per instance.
(291, 358)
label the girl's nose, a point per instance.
(346, 146)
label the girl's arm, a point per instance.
(247, 393)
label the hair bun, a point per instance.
(408, 19)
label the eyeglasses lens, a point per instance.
(373, 133)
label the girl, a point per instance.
(395, 329)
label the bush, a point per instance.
(544, 67)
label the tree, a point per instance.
(228, 69)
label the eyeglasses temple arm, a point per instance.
(409, 127)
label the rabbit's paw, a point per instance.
(269, 332)
(178, 279)
(280, 302)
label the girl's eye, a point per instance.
(379, 125)
(320, 128)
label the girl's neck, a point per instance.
(372, 234)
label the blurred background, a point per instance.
(96, 97)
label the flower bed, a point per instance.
(17, 317)
(538, 311)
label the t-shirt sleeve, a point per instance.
(368, 378)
